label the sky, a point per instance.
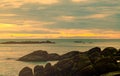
(20, 19)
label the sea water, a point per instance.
(9, 53)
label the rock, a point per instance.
(26, 71)
(69, 66)
(91, 63)
(38, 70)
(88, 71)
(49, 70)
(94, 54)
(40, 55)
(28, 42)
(109, 51)
(53, 57)
(95, 49)
(114, 73)
(69, 54)
(105, 65)
(48, 66)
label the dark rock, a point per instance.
(26, 71)
(48, 65)
(109, 51)
(94, 54)
(114, 73)
(49, 70)
(28, 42)
(39, 55)
(106, 65)
(95, 49)
(53, 57)
(69, 54)
(90, 63)
(71, 66)
(88, 71)
(38, 70)
(117, 75)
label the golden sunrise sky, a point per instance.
(59, 19)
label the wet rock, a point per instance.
(26, 71)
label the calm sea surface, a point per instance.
(10, 52)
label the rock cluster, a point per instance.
(91, 63)
(41, 55)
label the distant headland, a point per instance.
(28, 42)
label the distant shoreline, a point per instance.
(28, 42)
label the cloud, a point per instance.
(26, 27)
(19, 3)
(8, 15)
(78, 1)
(66, 18)
(97, 16)
(60, 18)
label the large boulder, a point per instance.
(26, 71)
(40, 55)
(88, 71)
(49, 70)
(105, 65)
(94, 54)
(38, 70)
(109, 51)
(72, 66)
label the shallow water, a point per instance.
(14, 51)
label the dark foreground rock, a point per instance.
(91, 63)
(26, 71)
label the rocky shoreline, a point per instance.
(94, 62)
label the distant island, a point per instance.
(28, 42)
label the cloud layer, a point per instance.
(60, 19)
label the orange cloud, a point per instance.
(7, 15)
(77, 1)
(69, 33)
(18, 3)
(66, 18)
(97, 16)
